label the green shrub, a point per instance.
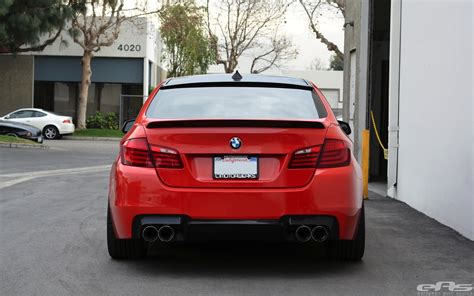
(103, 121)
(95, 121)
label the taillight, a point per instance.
(334, 153)
(135, 152)
(305, 158)
(66, 121)
(166, 157)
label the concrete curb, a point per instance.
(28, 146)
(92, 139)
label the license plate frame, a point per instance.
(250, 174)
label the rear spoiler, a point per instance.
(235, 123)
(308, 86)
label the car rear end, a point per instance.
(235, 160)
(65, 125)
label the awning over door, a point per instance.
(106, 70)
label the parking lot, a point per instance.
(52, 216)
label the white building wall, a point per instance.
(329, 82)
(436, 137)
(137, 39)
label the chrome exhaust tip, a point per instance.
(150, 234)
(319, 234)
(166, 233)
(303, 233)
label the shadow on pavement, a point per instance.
(242, 259)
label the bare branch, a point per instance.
(245, 25)
(281, 50)
(316, 64)
(311, 10)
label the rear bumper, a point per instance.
(66, 128)
(187, 229)
(137, 192)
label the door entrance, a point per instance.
(378, 90)
(44, 95)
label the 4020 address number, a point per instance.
(129, 47)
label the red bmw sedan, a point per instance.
(217, 157)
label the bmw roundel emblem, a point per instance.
(235, 143)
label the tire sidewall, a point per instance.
(53, 128)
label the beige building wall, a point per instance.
(355, 68)
(16, 83)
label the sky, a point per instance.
(297, 30)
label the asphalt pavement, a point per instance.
(53, 242)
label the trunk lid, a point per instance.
(199, 141)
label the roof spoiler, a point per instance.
(237, 83)
(235, 123)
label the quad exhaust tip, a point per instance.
(151, 234)
(166, 233)
(319, 234)
(303, 233)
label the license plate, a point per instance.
(235, 167)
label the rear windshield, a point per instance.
(236, 103)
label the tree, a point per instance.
(336, 63)
(239, 26)
(23, 22)
(187, 46)
(95, 25)
(316, 64)
(280, 50)
(314, 8)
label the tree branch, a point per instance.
(280, 51)
(245, 24)
(331, 46)
(42, 46)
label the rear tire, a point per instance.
(51, 132)
(123, 248)
(351, 250)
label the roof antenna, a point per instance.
(237, 76)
